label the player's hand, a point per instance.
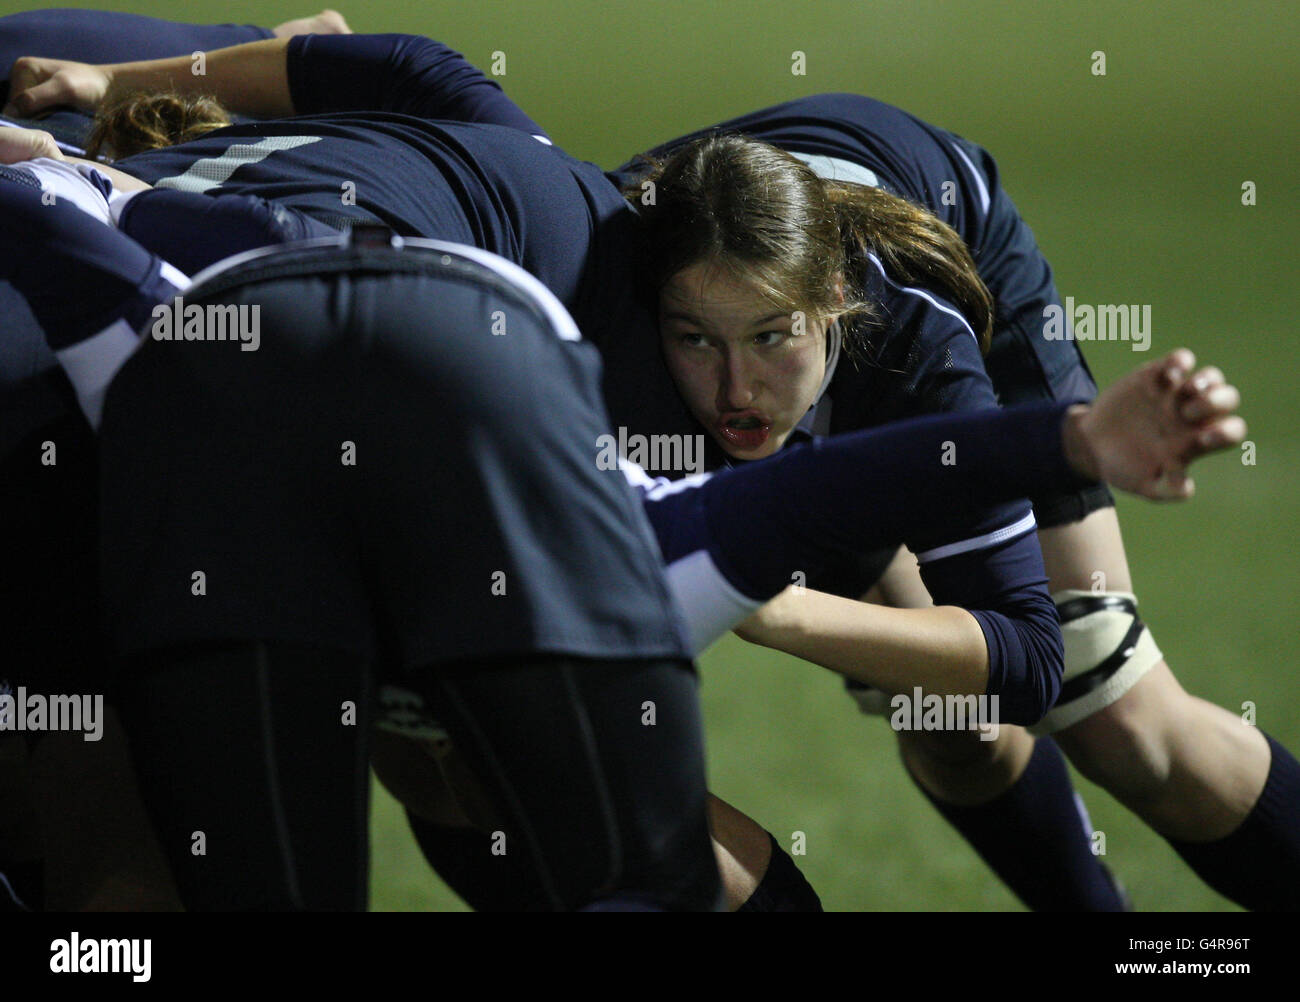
(37, 84)
(1142, 432)
(17, 145)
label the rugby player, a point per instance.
(1222, 794)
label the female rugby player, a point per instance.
(742, 231)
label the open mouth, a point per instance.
(744, 432)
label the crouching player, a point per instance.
(356, 496)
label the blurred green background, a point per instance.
(1132, 182)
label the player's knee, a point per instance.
(1113, 736)
(1108, 649)
(1121, 749)
(956, 751)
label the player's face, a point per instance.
(748, 374)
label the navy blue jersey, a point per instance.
(848, 137)
(369, 153)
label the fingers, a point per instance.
(1173, 485)
(28, 102)
(38, 84)
(52, 92)
(1201, 396)
(17, 145)
(25, 74)
(1203, 379)
(1205, 405)
(1172, 370)
(1222, 434)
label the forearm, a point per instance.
(19, 145)
(941, 649)
(250, 79)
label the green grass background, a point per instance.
(1132, 183)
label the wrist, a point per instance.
(1075, 443)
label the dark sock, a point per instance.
(1258, 865)
(1033, 837)
(783, 887)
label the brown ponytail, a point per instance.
(914, 245)
(773, 223)
(136, 122)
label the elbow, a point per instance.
(1044, 669)
(1026, 667)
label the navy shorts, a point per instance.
(406, 467)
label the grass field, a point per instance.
(1132, 181)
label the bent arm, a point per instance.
(250, 79)
(281, 77)
(941, 648)
(407, 74)
(993, 631)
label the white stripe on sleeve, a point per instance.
(91, 364)
(1026, 524)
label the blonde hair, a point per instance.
(136, 122)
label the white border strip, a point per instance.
(1026, 524)
(979, 178)
(709, 604)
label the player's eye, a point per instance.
(691, 339)
(766, 339)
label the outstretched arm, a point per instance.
(250, 79)
(872, 488)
